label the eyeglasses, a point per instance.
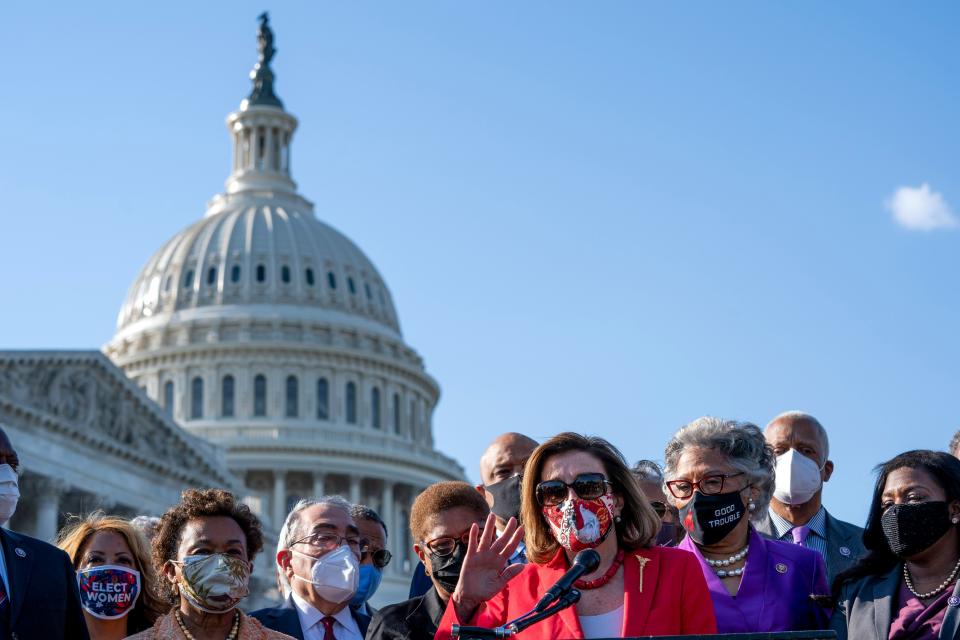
(446, 545)
(381, 557)
(659, 507)
(329, 541)
(708, 485)
(588, 486)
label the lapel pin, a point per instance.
(643, 562)
(845, 552)
(954, 601)
(781, 568)
(20, 552)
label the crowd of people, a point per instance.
(729, 536)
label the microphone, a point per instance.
(584, 562)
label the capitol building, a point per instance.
(259, 349)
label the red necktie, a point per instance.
(328, 622)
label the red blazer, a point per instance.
(672, 599)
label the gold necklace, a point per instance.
(234, 630)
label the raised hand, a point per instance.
(485, 570)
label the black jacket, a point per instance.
(44, 600)
(285, 619)
(414, 619)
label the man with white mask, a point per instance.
(319, 556)
(796, 513)
(38, 587)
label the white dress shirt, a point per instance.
(345, 627)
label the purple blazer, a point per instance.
(775, 589)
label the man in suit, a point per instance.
(38, 587)
(796, 513)
(319, 554)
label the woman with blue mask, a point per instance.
(205, 547)
(115, 576)
(440, 519)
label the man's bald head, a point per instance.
(505, 457)
(800, 425)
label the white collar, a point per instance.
(310, 616)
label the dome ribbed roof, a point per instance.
(277, 256)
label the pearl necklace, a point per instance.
(929, 594)
(735, 558)
(234, 630)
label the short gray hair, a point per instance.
(647, 471)
(743, 445)
(803, 416)
(290, 530)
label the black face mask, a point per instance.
(708, 519)
(667, 536)
(911, 528)
(446, 569)
(506, 498)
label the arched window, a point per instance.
(331, 279)
(188, 279)
(351, 403)
(309, 276)
(396, 413)
(196, 398)
(375, 407)
(168, 397)
(211, 275)
(413, 417)
(261, 273)
(166, 286)
(323, 399)
(293, 389)
(260, 396)
(285, 274)
(351, 286)
(366, 287)
(226, 397)
(235, 273)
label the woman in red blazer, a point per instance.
(579, 494)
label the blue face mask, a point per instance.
(370, 578)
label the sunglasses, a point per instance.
(587, 486)
(380, 557)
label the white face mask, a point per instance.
(335, 575)
(798, 478)
(9, 492)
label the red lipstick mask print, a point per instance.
(579, 524)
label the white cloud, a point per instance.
(921, 209)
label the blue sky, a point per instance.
(603, 217)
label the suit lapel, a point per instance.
(19, 562)
(884, 590)
(640, 570)
(951, 620)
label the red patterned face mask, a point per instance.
(579, 524)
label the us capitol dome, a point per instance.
(269, 333)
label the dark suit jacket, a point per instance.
(865, 609)
(44, 600)
(285, 619)
(844, 543)
(414, 619)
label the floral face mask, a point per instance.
(214, 583)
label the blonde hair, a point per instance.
(639, 523)
(78, 533)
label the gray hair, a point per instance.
(291, 528)
(363, 512)
(954, 443)
(742, 443)
(647, 471)
(802, 416)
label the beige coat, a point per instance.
(166, 628)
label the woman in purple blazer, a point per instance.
(720, 474)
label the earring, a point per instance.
(954, 519)
(617, 519)
(751, 506)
